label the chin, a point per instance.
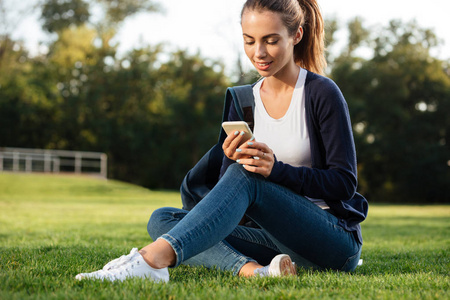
(264, 73)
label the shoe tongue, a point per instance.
(120, 261)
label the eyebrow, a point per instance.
(264, 37)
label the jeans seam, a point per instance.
(349, 259)
(242, 260)
(257, 242)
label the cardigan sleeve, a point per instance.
(333, 173)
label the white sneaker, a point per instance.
(121, 260)
(127, 266)
(281, 265)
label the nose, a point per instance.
(260, 50)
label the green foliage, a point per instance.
(58, 15)
(61, 14)
(144, 114)
(28, 101)
(193, 92)
(53, 227)
(357, 34)
(399, 99)
(74, 44)
(117, 10)
(139, 111)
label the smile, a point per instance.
(263, 66)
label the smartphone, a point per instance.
(232, 126)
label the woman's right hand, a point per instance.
(231, 144)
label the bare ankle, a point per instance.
(150, 261)
(248, 269)
(159, 254)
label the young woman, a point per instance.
(296, 179)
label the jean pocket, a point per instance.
(352, 262)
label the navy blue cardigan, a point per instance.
(333, 175)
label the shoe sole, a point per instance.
(282, 266)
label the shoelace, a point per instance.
(118, 272)
(120, 261)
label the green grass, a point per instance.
(53, 227)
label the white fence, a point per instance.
(53, 161)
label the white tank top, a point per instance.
(288, 136)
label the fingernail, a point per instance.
(250, 143)
(238, 161)
(236, 132)
(242, 132)
(253, 138)
(256, 157)
(238, 150)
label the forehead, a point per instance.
(260, 23)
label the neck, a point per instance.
(283, 80)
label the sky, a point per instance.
(212, 27)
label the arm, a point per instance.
(333, 175)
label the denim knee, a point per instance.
(156, 223)
(237, 170)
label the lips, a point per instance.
(263, 65)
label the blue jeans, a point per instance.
(209, 234)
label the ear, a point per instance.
(298, 35)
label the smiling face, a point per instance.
(267, 42)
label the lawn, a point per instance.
(53, 227)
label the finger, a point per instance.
(257, 154)
(244, 150)
(229, 139)
(251, 161)
(231, 143)
(260, 146)
(238, 140)
(258, 170)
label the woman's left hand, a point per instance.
(257, 158)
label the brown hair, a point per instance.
(309, 53)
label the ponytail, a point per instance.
(309, 52)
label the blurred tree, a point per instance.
(74, 44)
(399, 101)
(29, 100)
(190, 93)
(141, 112)
(331, 27)
(9, 20)
(244, 77)
(61, 14)
(118, 10)
(357, 35)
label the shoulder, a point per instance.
(322, 91)
(321, 85)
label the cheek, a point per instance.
(283, 54)
(249, 52)
(276, 53)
